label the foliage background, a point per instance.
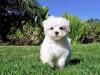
(24, 25)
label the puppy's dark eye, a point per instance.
(61, 28)
(51, 28)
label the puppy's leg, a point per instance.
(61, 62)
(51, 63)
(64, 59)
(47, 60)
(44, 58)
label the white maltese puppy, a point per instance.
(55, 49)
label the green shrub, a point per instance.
(94, 30)
(77, 27)
(27, 35)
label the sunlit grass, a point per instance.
(24, 60)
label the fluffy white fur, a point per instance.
(55, 49)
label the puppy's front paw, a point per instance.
(51, 64)
(45, 62)
(61, 63)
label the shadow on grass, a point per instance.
(71, 62)
(74, 61)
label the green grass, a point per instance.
(24, 60)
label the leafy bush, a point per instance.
(94, 31)
(13, 12)
(77, 27)
(27, 35)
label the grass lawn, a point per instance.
(24, 60)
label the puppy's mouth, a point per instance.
(57, 37)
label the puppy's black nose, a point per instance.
(56, 33)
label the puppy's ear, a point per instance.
(48, 20)
(68, 26)
(44, 23)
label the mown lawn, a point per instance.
(24, 60)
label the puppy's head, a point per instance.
(56, 27)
